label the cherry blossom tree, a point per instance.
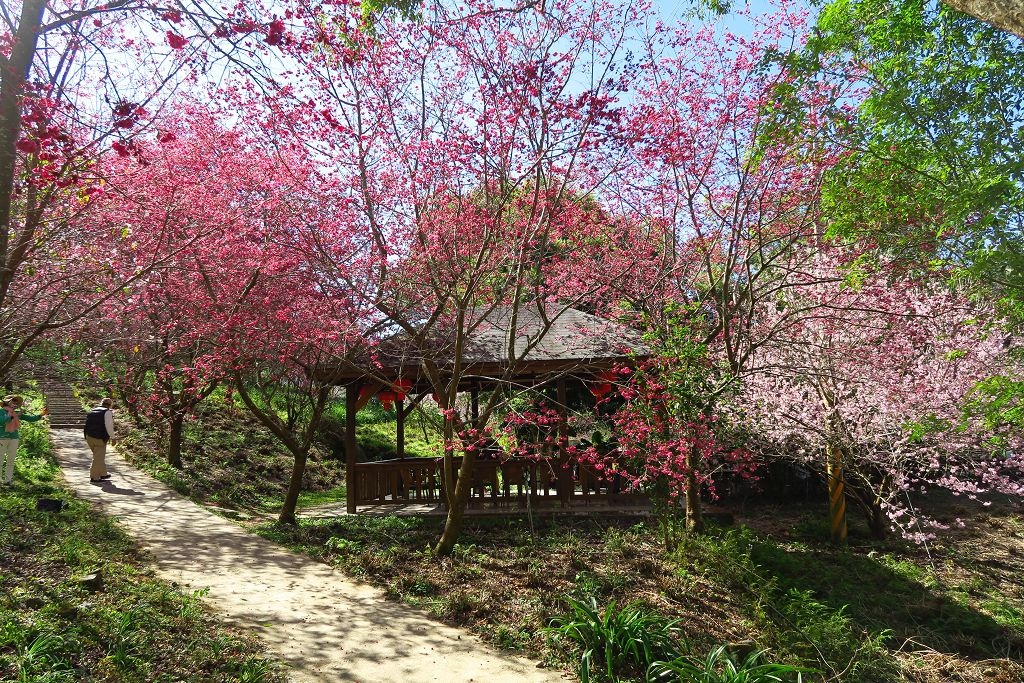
(664, 442)
(471, 149)
(734, 178)
(279, 379)
(78, 79)
(192, 201)
(284, 324)
(879, 377)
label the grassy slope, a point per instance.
(135, 628)
(876, 612)
(232, 461)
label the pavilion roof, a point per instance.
(542, 341)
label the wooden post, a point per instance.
(351, 396)
(836, 494)
(474, 402)
(566, 487)
(448, 471)
(400, 428)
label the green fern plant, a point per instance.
(721, 666)
(617, 641)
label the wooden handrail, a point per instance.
(495, 482)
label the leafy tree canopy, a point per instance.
(935, 172)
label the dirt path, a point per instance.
(324, 626)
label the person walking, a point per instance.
(99, 430)
(11, 418)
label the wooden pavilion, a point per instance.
(529, 346)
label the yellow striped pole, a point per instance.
(836, 495)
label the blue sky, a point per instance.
(675, 9)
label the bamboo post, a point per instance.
(836, 494)
(351, 396)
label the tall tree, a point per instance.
(191, 198)
(472, 147)
(738, 188)
(935, 174)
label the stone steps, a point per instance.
(66, 411)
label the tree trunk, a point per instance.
(174, 441)
(1005, 14)
(694, 516)
(351, 401)
(457, 506)
(877, 522)
(291, 500)
(868, 498)
(14, 73)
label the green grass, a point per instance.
(723, 666)
(309, 499)
(54, 627)
(377, 441)
(232, 462)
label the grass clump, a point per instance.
(617, 641)
(634, 643)
(723, 666)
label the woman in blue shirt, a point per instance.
(10, 420)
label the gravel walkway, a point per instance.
(323, 625)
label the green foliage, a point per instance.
(786, 584)
(929, 424)
(721, 666)
(372, 10)
(43, 659)
(999, 401)
(511, 639)
(935, 176)
(687, 371)
(828, 632)
(619, 641)
(342, 545)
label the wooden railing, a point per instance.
(407, 480)
(495, 483)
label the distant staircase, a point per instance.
(66, 410)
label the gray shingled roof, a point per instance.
(566, 335)
(559, 340)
